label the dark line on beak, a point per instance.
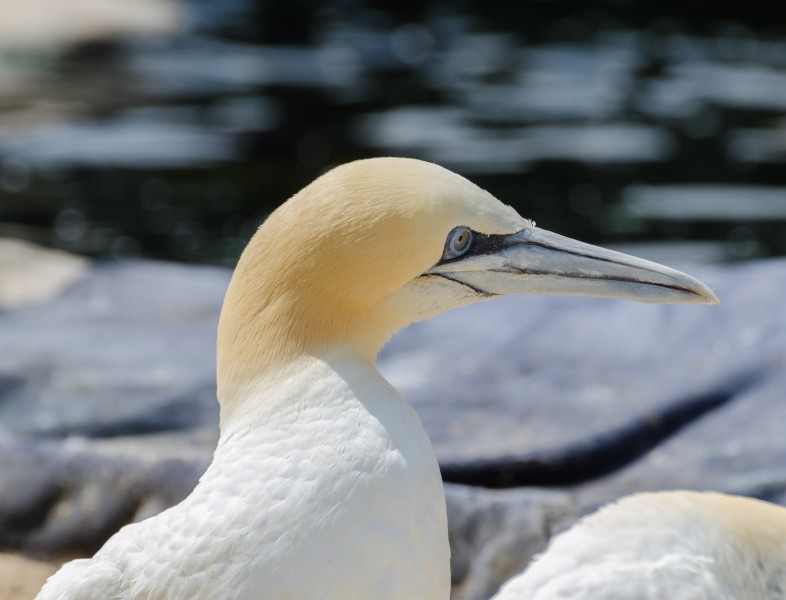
(614, 262)
(595, 277)
(477, 290)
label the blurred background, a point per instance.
(170, 128)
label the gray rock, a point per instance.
(129, 348)
(495, 533)
(108, 412)
(65, 499)
(739, 448)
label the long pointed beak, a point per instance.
(535, 261)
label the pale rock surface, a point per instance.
(30, 274)
(55, 23)
(21, 578)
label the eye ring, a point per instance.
(458, 243)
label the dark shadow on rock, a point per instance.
(608, 453)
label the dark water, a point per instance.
(658, 125)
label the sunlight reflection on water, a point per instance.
(118, 147)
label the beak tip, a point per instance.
(705, 293)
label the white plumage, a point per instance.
(252, 528)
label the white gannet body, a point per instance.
(665, 545)
(324, 483)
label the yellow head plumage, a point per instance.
(319, 270)
(361, 252)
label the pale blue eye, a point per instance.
(459, 242)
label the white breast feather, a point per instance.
(320, 501)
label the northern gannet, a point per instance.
(664, 545)
(324, 483)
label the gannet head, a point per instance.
(376, 244)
